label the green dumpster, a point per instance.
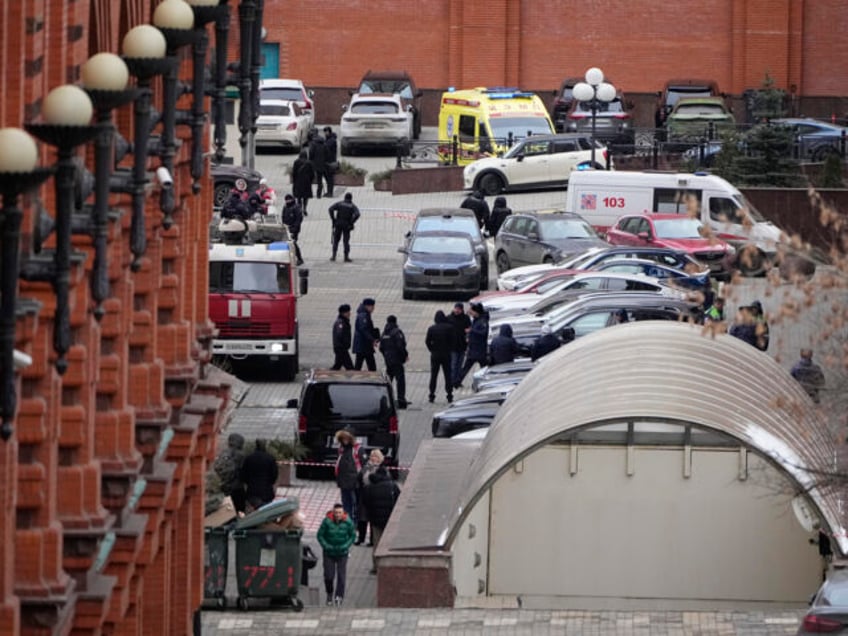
(216, 547)
(268, 560)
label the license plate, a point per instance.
(239, 347)
(374, 124)
(333, 442)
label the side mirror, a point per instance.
(645, 236)
(410, 108)
(311, 93)
(408, 234)
(519, 157)
(344, 108)
(533, 236)
(291, 404)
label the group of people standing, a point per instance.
(317, 163)
(488, 220)
(368, 496)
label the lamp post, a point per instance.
(67, 112)
(104, 77)
(594, 90)
(247, 19)
(18, 173)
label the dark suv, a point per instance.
(361, 401)
(395, 82)
(676, 89)
(562, 102)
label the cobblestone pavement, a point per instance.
(375, 272)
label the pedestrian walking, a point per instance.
(365, 336)
(395, 355)
(303, 174)
(544, 344)
(504, 348)
(379, 496)
(228, 468)
(500, 212)
(318, 157)
(476, 202)
(375, 460)
(292, 218)
(478, 337)
(331, 152)
(336, 534)
(808, 374)
(461, 324)
(344, 215)
(440, 342)
(259, 473)
(342, 339)
(348, 465)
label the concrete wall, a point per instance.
(602, 536)
(470, 558)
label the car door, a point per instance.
(565, 156)
(532, 246)
(624, 232)
(510, 237)
(531, 165)
(591, 322)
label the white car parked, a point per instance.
(291, 90)
(540, 161)
(281, 123)
(374, 120)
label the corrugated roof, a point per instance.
(670, 371)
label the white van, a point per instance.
(601, 197)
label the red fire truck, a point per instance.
(252, 293)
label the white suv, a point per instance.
(375, 119)
(540, 161)
(291, 90)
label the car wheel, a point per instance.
(822, 153)
(491, 184)
(502, 261)
(222, 193)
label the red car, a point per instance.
(674, 231)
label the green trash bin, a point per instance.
(268, 561)
(216, 547)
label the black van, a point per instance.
(362, 401)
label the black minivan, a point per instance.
(361, 401)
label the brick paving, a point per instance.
(375, 272)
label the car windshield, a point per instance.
(519, 127)
(699, 109)
(465, 224)
(374, 108)
(602, 107)
(441, 245)
(548, 285)
(292, 93)
(386, 86)
(745, 204)
(678, 228)
(676, 94)
(274, 110)
(351, 401)
(553, 229)
(228, 276)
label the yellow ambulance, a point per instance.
(486, 121)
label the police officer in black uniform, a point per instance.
(344, 215)
(341, 339)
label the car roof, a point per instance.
(277, 102)
(280, 83)
(442, 233)
(386, 75)
(342, 376)
(548, 213)
(446, 212)
(658, 216)
(570, 135)
(713, 99)
(642, 261)
(691, 83)
(365, 97)
(806, 120)
(627, 299)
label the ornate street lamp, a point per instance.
(594, 90)
(247, 21)
(18, 174)
(67, 111)
(104, 77)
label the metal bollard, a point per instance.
(454, 150)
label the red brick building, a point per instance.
(534, 44)
(102, 481)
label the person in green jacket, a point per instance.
(336, 535)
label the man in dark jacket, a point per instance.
(318, 157)
(499, 213)
(331, 155)
(365, 336)
(228, 467)
(341, 339)
(393, 348)
(336, 534)
(544, 344)
(293, 218)
(344, 215)
(478, 337)
(440, 343)
(303, 174)
(504, 348)
(379, 497)
(461, 324)
(477, 204)
(259, 474)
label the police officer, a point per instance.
(476, 202)
(344, 215)
(393, 348)
(341, 339)
(293, 219)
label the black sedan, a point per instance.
(229, 176)
(456, 420)
(440, 263)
